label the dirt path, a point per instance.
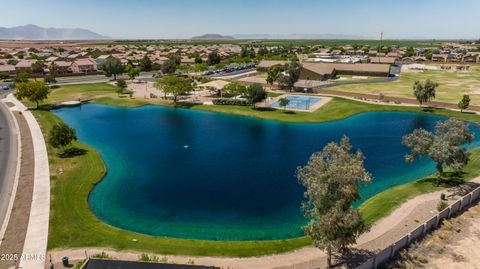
(13, 240)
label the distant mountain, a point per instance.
(34, 32)
(298, 36)
(213, 37)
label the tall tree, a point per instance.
(61, 135)
(283, 81)
(169, 66)
(132, 72)
(174, 85)
(444, 146)
(37, 68)
(34, 91)
(332, 178)
(113, 67)
(145, 64)
(255, 93)
(424, 92)
(464, 103)
(244, 52)
(272, 74)
(53, 68)
(21, 77)
(234, 88)
(49, 79)
(293, 70)
(213, 58)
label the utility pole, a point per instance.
(381, 46)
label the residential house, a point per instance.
(101, 60)
(383, 60)
(187, 61)
(7, 69)
(83, 65)
(61, 67)
(322, 71)
(24, 65)
(441, 58)
(471, 57)
(265, 64)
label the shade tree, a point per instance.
(332, 178)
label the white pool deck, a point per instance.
(323, 100)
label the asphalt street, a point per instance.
(8, 159)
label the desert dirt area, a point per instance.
(454, 246)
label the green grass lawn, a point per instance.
(72, 223)
(453, 85)
(337, 108)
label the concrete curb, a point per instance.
(36, 239)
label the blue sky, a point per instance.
(185, 18)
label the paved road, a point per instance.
(8, 159)
(147, 76)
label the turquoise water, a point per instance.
(201, 175)
(299, 102)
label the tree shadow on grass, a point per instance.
(353, 259)
(428, 109)
(264, 109)
(44, 107)
(72, 152)
(454, 181)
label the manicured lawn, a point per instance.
(336, 109)
(453, 85)
(81, 91)
(72, 224)
(99, 93)
(273, 94)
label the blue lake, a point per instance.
(201, 175)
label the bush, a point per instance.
(442, 205)
(102, 255)
(4, 76)
(49, 79)
(147, 258)
(121, 84)
(230, 102)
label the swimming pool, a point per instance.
(298, 102)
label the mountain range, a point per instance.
(34, 32)
(213, 37)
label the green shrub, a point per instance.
(102, 255)
(79, 264)
(230, 102)
(442, 205)
(144, 257)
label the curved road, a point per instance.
(8, 160)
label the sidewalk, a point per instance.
(35, 247)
